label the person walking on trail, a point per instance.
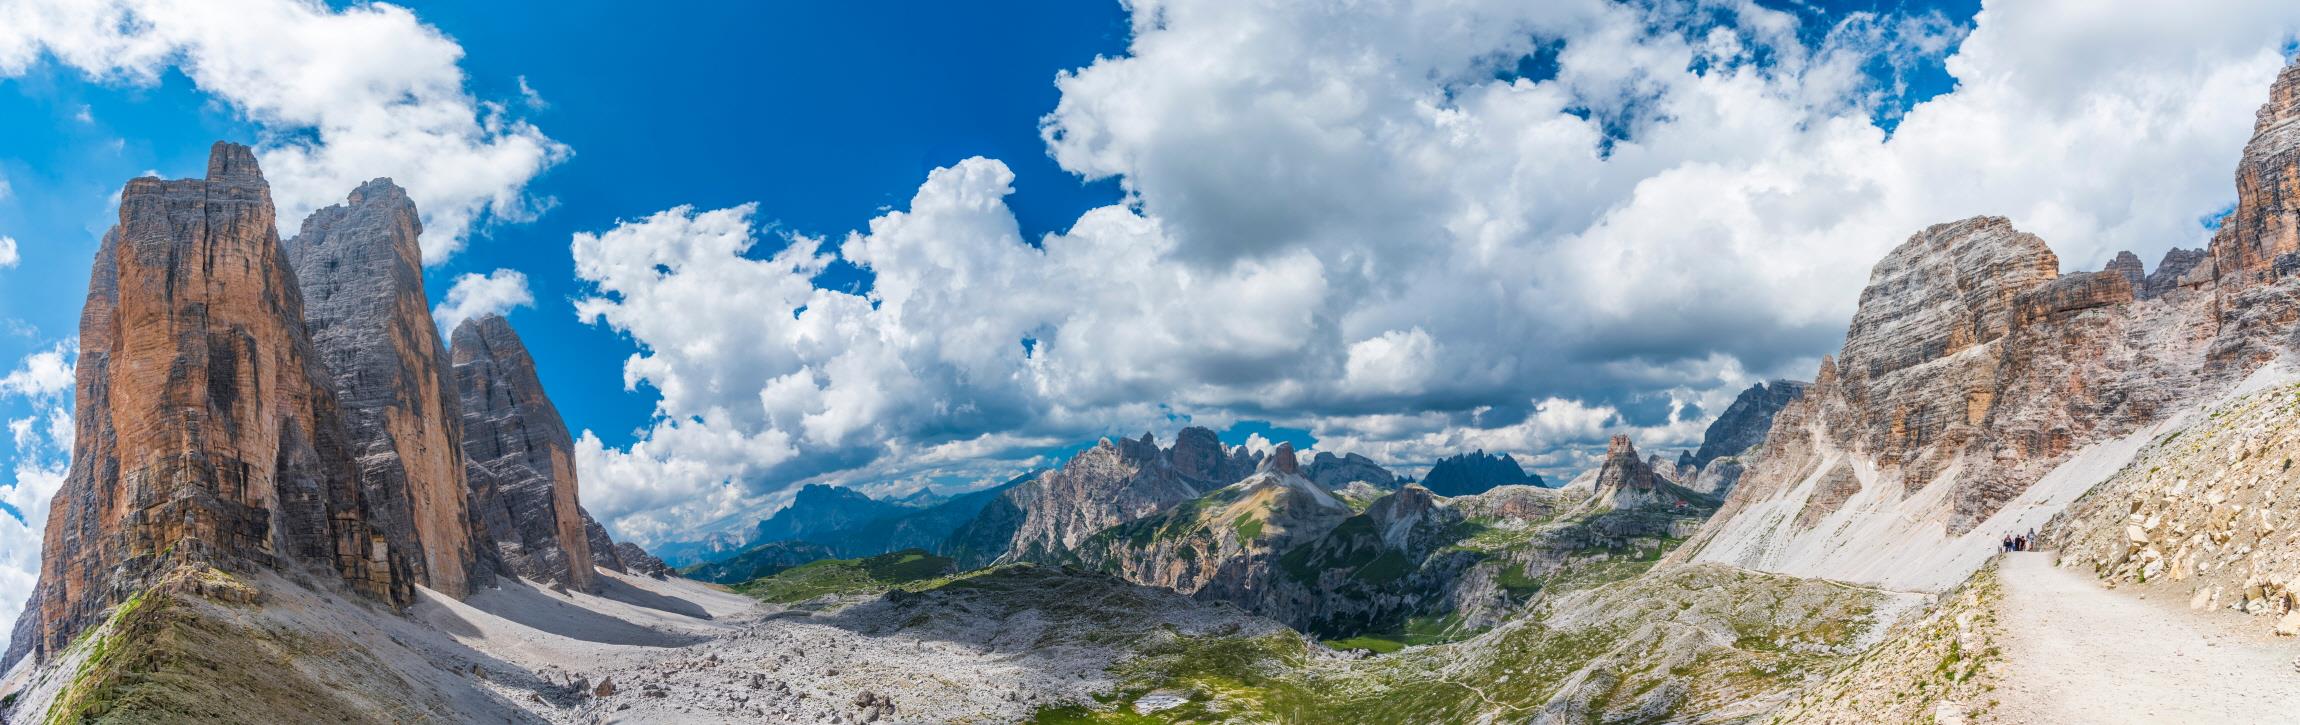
(2007, 545)
(2031, 538)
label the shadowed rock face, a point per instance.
(207, 430)
(1470, 474)
(362, 279)
(603, 554)
(1745, 422)
(522, 459)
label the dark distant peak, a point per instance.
(823, 492)
(1474, 473)
(1745, 423)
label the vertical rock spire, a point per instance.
(207, 430)
(522, 459)
(361, 272)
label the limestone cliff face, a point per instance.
(1104, 486)
(522, 458)
(1971, 369)
(361, 272)
(207, 430)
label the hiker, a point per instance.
(2032, 538)
(2007, 542)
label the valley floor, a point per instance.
(2078, 652)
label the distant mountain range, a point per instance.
(1469, 474)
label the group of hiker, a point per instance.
(2020, 542)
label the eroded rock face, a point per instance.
(361, 273)
(2250, 247)
(1745, 422)
(523, 460)
(207, 430)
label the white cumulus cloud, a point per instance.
(343, 95)
(479, 295)
(40, 455)
(9, 257)
(1358, 218)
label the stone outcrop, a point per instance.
(522, 458)
(208, 432)
(603, 554)
(1745, 422)
(639, 561)
(361, 274)
(1470, 474)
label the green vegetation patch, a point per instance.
(1249, 529)
(901, 569)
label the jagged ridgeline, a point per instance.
(246, 405)
(276, 456)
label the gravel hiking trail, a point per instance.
(2076, 652)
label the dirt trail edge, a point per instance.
(2077, 652)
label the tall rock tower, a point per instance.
(207, 431)
(523, 460)
(361, 272)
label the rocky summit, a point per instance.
(361, 273)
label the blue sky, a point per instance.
(1522, 228)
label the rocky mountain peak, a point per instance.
(2283, 105)
(1338, 472)
(1469, 474)
(1282, 460)
(208, 432)
(522, 460)
(1626, 481)
(1620, 447)
(2128, 265)
(234, 165)
(2256, 241)
(1745, 422)
(1198, 453)
(359, 266)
